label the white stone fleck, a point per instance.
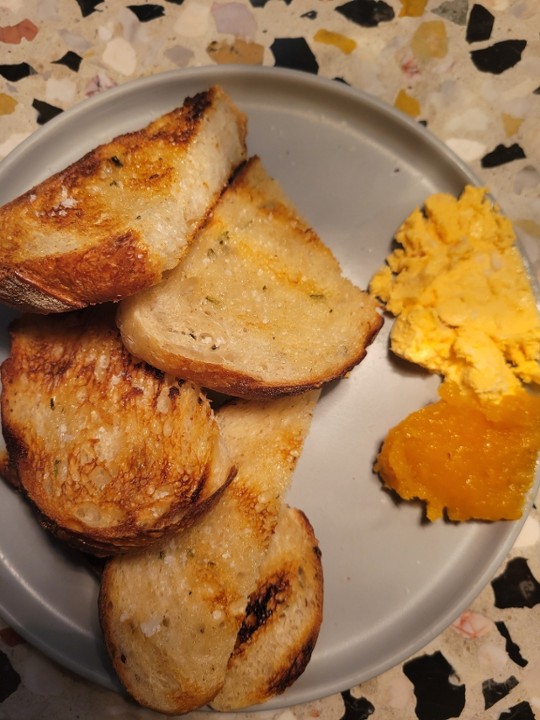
(11, 143)
(530, 533)
(467, 150)
(120, 56)
(193, 19)
(60, 90)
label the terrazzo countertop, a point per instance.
(471, 73)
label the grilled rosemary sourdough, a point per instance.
(112, 453)
(170, 642)
(258, 306)
(282, 619)
(133, 203)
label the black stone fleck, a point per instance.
(368, 13)
(537, 91)
(262, 3)
(310, 15)
(175, 2)
(145, 13)
(499, 57)
(494, 691)
(356, 708)
(294, 53)
(516, 587)
(503, 154)
(70, 60)
(45, 111)
(9, 678)
(88, 6)
(16, 71)
(511, 647)
(436, 697)
(521, 711)
(480, 24)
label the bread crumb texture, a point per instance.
(134, 201)
(258, 306)
(192, 590)
(112, 452)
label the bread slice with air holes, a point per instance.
(112, 222)
(170, 642)
(282, 619)
(258, 307)
(112, 453)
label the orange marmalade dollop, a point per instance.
(468, 458)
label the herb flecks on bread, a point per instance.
(114, 221)
(258, 307)
(213, 590)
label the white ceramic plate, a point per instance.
(355, 169)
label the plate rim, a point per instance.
(218, 72)
(358, 96)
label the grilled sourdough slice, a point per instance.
(112, 222)
(170, 642)
(258, 306)
(113, 454)
(282, 619)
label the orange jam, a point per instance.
(472, 458)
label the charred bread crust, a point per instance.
(282, 619)
(87, 234)
(112, 453)
(170, 643)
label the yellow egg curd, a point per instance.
(463, 302)
(468, 458)
(465, 309)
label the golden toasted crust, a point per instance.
(111, 223)
(258, 307)
(282, 619)
(112, 453)
(171, 641)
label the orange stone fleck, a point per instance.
(342, 42)
(511, 124)
(14, 34)
(407, 104)
(240, 52)
(412, 8)
(430, 40)
(7, 104)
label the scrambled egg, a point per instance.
(463, 302)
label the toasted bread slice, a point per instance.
(170, 642)
(282, 619)
(258, 306)
(111, 223)
(112, 453)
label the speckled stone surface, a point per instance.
(471, 73)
